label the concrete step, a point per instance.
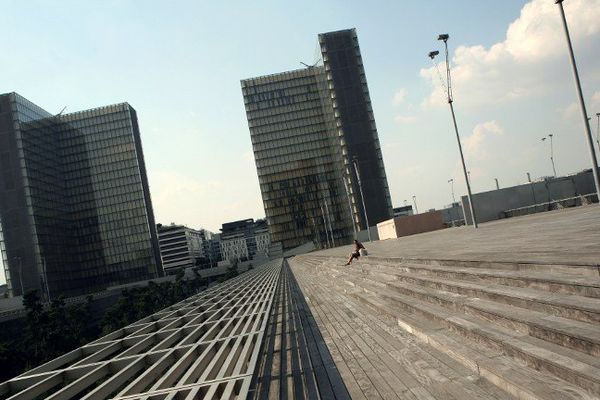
(505, 372)
(589, 271)
(575, 307)
(577, 335)
(549, 282)
(581, 336)
(571, 367)
(585, 309)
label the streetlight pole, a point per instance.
(497, 184)
(415, 201)
(451, 182)
(551, 152)
(532, 188)
(598, 131)
(444, 38)
(325, 226)
(588, 133)
(355, 163)
(351, 210)
(329, 219)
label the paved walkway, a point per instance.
(569, 236)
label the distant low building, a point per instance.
(452, 215)
(182, 247)
(544, 194)
(244, 239)
(403, 211)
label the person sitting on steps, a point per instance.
(356, 253)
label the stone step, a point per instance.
(520, 381)
(581, 336)
(589, 271)
(575, 307)
(577, 335)
(538, 355)
(554, 283)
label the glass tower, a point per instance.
(299, 176)
(75, 209)
(308, 128)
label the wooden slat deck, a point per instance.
(375, 358)
(296, 362)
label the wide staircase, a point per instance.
(531, 330)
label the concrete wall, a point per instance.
(491, 205)
(411, 225)
(453, 215)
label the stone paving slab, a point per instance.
(566, 237)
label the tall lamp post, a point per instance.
(444, 37)
(415, 201)
(598, 132)
(588, 133)
(350, 207)
(355, 163)
(551, 152)
(451, 182)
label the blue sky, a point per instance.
(179, 63)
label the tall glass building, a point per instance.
(308, 128)
(75, 208)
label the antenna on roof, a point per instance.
(309, 66)
(61, 111)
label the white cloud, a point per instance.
(399, 97)
(529, 61)
(477, 145)
(248, 156)
(405, 119)
(175, 197)
(572, 111)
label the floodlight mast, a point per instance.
(586, 122)
(598, 131)
(444, 37)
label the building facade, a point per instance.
(244, 240)
(403, 211)
(182, 247)
(312, 131)
(75, 208)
